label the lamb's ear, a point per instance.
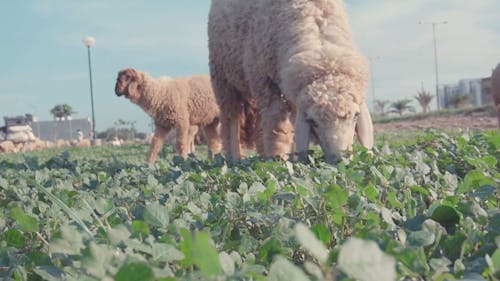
(137, 79)
(364, 127)
(134, 74)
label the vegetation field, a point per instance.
(423, 206)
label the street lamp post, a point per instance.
(89, 42)
(372, 73)
(434, 23)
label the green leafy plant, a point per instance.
(422, 206)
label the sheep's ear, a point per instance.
(364, 127)
(133, 73)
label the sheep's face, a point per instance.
(128, 84)
(333, 120)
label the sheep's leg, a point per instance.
(498, 113)
(230, 128)
(276, 128)
(213, 139)
(157, 143)
(182, 141)
(193, 130)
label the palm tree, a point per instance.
(380, 106)
(62, 111)
(119, 123)
(401, 106)
(424, 98)
(458, 100)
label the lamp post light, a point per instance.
(371, 59)
(89, 42)
(434, 23)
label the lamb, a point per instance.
(495, 86)
(295, 59)
(173, 104)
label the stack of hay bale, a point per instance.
(18, 137)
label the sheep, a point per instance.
(495, 87)
(295, 59)
(173, 104)
(8, 146)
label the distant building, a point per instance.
(486, 91)
(478, 90)
(66, 129)
(61, 129)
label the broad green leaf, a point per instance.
(309, 242)
(268, 250)
(473, 180)
(322, 232)
(3, 183)
(50, 273)
(14, 238)
(70, 243)
(336, 196)
(103, 205)
(394, 201)
(283, 270)
(117, 234)
(136, 271)
(156, 215)
(166, 253)
(371, 193)
(96, 259)
(186, 246)
(364, 261)
(26, 223)
(227, 263)
(494, 262)
(139, 228)
(205, 257)
(447, 216)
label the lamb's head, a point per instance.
(129, 83)
(334, 118)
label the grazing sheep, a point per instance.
(294, 59)
(495, 85)
(173, 104)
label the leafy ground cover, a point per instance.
(424, 206)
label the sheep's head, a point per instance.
(334, 118)
(128, 84)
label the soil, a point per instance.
(453, 122)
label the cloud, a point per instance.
(468, 46)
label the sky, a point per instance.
(43, 61)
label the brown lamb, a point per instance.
(179, 103)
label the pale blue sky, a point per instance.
(43, 61)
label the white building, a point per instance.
(471, 87)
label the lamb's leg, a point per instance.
(213, 139)
(193, 130)
(182, 140)
(157, 143)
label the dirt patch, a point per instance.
(454, 122)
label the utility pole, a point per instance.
(434, 23)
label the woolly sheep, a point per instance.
(173, 104)
(296, 59)
(495, 85)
